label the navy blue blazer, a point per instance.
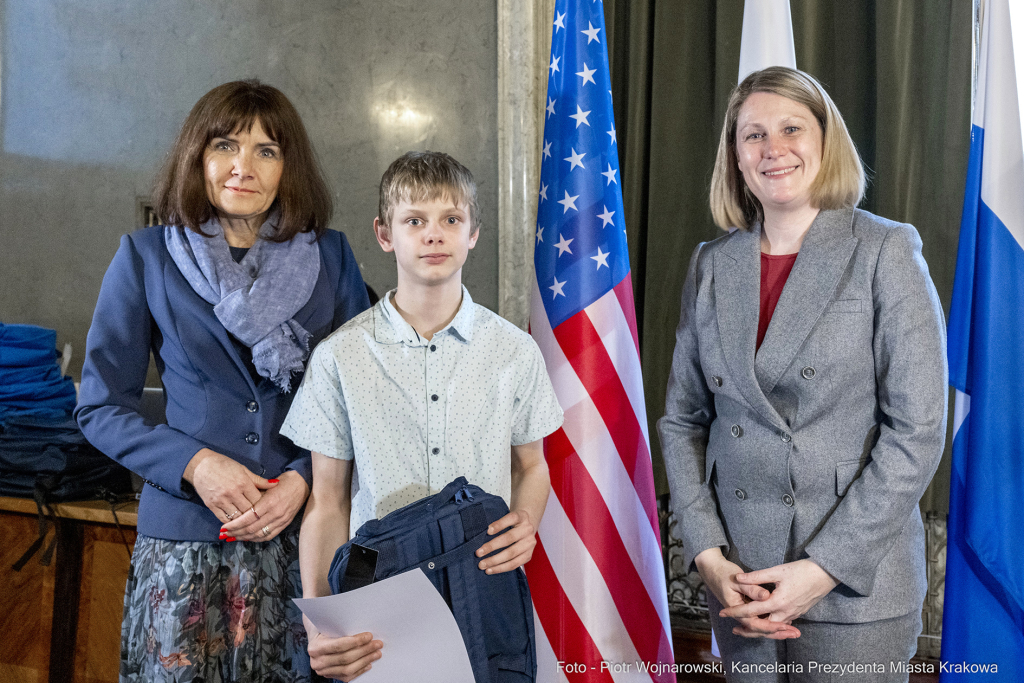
(144, 305)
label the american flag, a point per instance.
(597, 575)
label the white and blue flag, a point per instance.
(983, 616)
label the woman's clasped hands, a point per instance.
(763, 613)
(250, 507)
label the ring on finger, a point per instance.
(232, 515)
(266, 530)
(253, 508)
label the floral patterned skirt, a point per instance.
(214, 612)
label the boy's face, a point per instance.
(431, 240)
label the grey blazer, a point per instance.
(822, 443)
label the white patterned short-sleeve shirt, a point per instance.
(416, 414)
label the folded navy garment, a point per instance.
(49, 458)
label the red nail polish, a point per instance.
(223, 530)
(273, 481)
(230, 539)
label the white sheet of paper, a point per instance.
(421, 640)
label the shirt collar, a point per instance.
(391, 328)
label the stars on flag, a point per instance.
(574, 235)
(610, 175)
(587, 75)
(580, 116)
(576, 160)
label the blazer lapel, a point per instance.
(823, 258)
(737, 283)
(314, 316)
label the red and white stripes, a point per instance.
(597, 575)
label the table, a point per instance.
(77, 599)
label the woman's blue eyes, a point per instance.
(787, 130)
(227, 146)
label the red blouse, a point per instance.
(774, 273)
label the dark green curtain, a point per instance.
(900, 72)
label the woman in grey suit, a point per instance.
(806, 410)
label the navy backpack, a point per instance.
(440, 534)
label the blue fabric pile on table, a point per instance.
(43, 454)
(30, 379)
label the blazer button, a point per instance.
(787, 500)
(736, 431)
(808, 372)
(435, 450)
(786, 438)
(433, 397)
(741, 494)
(716, 380)
(253, 438)
(252, 406)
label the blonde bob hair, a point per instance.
(840, 181)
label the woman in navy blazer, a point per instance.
(806, 409)
(229, 299)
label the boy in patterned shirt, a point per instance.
(424, 387)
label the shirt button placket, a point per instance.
(435, 415)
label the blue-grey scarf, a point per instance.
(257, 298)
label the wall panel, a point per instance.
(92, 94)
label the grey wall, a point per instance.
(92, 95)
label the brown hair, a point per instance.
(419, 176)
(302, 196)
(840, 181)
